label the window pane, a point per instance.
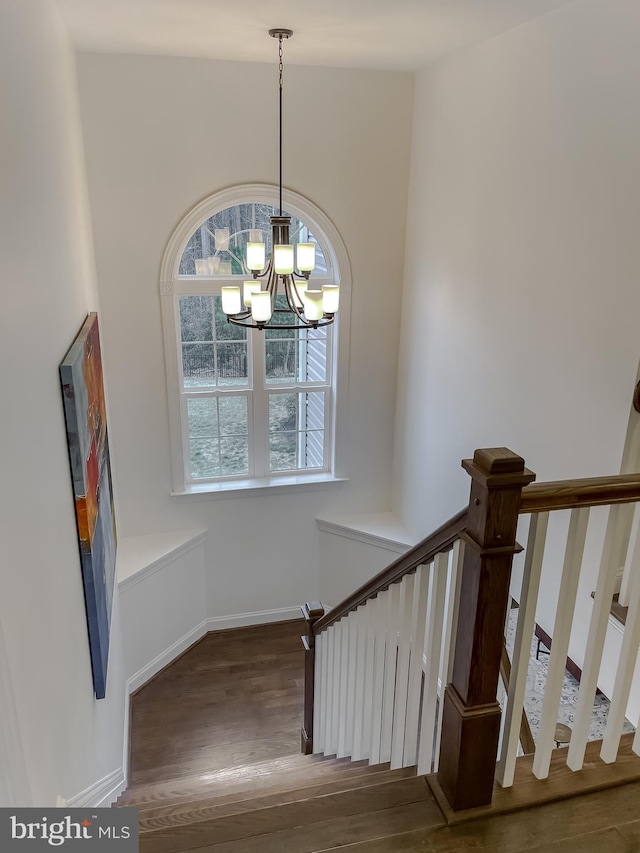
(233, 416)
(296, 431)
(282, 451)
(313, 362)
(283, 412)
(281, 360)
(198, 365)
(226, 331)
(204, 458)
(218, 436)
(234, 456)
(203, 417)
(196, 318)
(301, 357)
(232, 364)
(214, 352)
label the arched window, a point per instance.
(248, 408)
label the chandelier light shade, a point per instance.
(286, 273)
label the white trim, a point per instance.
(142, 676)
(100, 794)
(259, 617)
(126, 740)
(131, 578)
(259, 486)
(338, 266)
(358, 534)
(14, 780)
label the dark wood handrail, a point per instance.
(440, 540)
(573, 494)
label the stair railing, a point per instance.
(616, 539)
(377, 664)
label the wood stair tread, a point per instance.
(313, 824)
(245, 801)
(278, 774)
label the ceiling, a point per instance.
(401, 35)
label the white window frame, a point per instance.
(172, 285)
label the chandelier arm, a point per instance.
(288, 287)
(272, 287)
(264, 272)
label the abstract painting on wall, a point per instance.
(85, 415)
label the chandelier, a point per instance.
(286, 274)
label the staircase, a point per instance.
(400, 684)
(294, 804)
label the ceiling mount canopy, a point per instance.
(286, 274)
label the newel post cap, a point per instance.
(497, 467)
(312, 611)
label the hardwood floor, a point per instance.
(233, 699)
(216, 768)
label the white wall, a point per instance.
(160, 134)
(162, 597)
(69, 740)
(521, 288)
(521, 299)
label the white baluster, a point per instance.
(332, 744)
(318, 722)
(390, 665)
(404, 647)
(433, 652)
(372, 611)
(329, 696)
(452, 602)
(344, 686)
(360, 699)
(522, 648)
(624, 595)
(595, 641)
(381, 628)
(418, 620)
(626, 663)
(352, 627)
(561, 633)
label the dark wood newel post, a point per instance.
(312, 611)
(471, 714)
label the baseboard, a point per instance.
(140, 678)
(101, 794)
(259, 617)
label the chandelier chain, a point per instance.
(280, 73)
